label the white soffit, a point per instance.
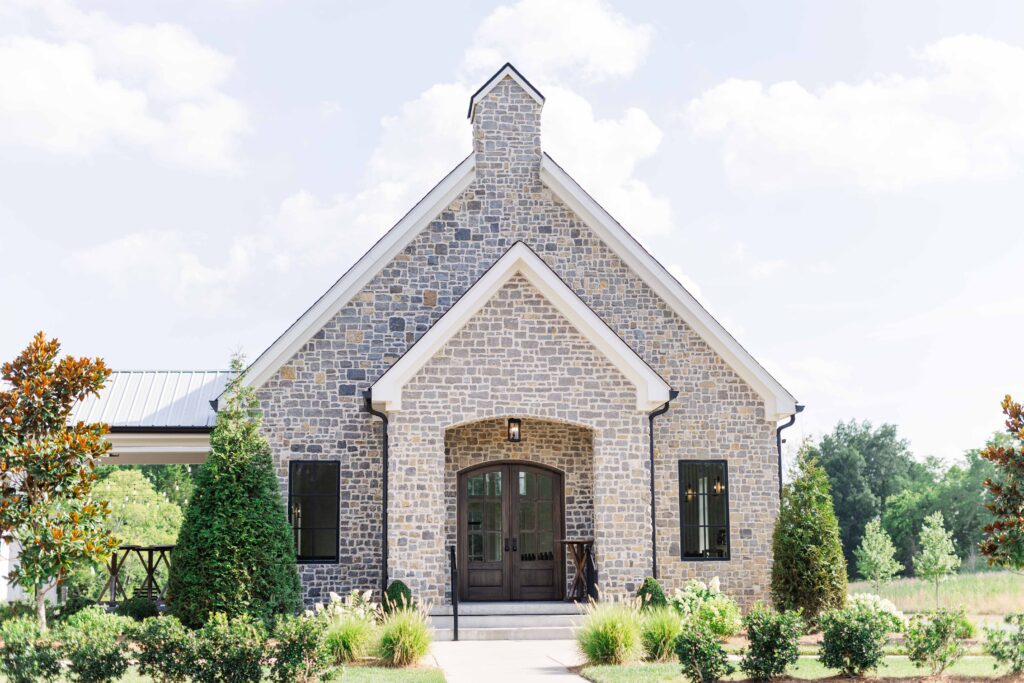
(779, 403)
(511, 72)
(157, 448)
(357, 277)
(651, 390)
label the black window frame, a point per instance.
(337, 521)
(682, 514)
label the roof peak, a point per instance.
(511, 72)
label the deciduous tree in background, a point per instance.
(937, 559)
(1003, 544)
(47, 508)
(876, 559)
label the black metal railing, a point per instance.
(591, 574)
(151, 557)
(455, 592)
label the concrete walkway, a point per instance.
(497, 661)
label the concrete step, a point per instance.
(519, 633)
(506, 620)
(496, 608)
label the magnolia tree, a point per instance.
(47, 469)
(876, 559)
(937, 559)
(1004, 536)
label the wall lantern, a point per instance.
(689, 493)
(719, 486)
(514, 433)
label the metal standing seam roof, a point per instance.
(156, 399)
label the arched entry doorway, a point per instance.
(510, 517)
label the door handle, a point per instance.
(515, 545)
(506, 544)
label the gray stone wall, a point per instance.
(313, 405)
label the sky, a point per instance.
(840, 184)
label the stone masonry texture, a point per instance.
(542, 370)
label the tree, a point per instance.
(235, 553)
(937, 558)
(876, 560)
(809, 571)
(1003, 544)
(47, 506)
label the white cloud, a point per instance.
(84, 82)
(961, 119)
(574, 39)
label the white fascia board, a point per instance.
(779, 403)
(163, 448)
(357, 277)
(498, 77)
(651, 390)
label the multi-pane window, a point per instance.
(313, 509)
(704, 509)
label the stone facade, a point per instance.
(314, 408)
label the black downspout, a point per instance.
(778, 443)
(368, 395)
(654, 518)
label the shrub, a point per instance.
(701, 654)
(138, 608)
(397, 596)
(165, 649)
(706, 604)
(936, 639)
(853, 639)
(91, 643)
(16, 609)
(73, 605)
(774, 642)
(235, 552)
(300, 653)
(354, 604)
(1007, 645)
(405, 637)
(26, 655)
(349, 637)
(229, 650)
(659, 627)
(886, 610)
(650, 594)
(610, 634)
(809, 570)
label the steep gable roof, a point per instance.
(651, 390)
(511, 72)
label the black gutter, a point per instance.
(654, 516)
(778, 443)
(368, 395)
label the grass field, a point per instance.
(982, 594)
(808, 668)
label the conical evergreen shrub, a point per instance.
(235, 552)
(809, 569)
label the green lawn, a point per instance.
(984, 593)
(808, 668)
(356, 674)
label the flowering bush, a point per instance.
(707, 605)
(854, 637)
(881, 606)
(936, 639)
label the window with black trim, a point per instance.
(704, 509)
(313, 488)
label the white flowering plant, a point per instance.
(705, 604)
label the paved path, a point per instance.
(497, 661)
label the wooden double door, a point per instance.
(510, 519)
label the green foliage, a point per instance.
(659, 628)
(1007, 644)
(936, 639)
(853, 638)
(138, 608)
(235, 553)
(701, 655)
(26, 654)
(349, 638)
(892, 619)
(47, 506)
(705, 604)
(937, 559)
(91, 642)
(610, 634)
(165, 649)
(1003, 544)
(229, 650)
(774, 642)
(651, 594)
(300, 653)
(875, 556)
(405, 637)
(397, 596)
(174, 481)
(809, 570)
(16, 609)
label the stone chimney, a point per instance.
(505, 113)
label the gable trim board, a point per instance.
(779, 403)
(511, 72)
(651, 390)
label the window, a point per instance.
(704, 509)
(313, 509)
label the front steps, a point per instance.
(508, 621)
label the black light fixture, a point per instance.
(689, 493)
(514, 433)
(719, 486)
